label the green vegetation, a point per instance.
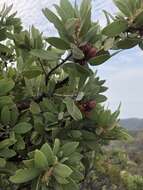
(54, 128)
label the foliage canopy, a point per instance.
(53, 124)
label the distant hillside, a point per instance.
(132, 124)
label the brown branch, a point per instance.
(56, 67)
(42, 66)
(25, 104)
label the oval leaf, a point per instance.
(22, 128)
(127, 43)
(24, 175)
(40, 160)
(45, 55)
(56, 146)
(139, 20)
(47, 151)
(5, 115)
(62, 170)
(115, 28)
(32, 72)
(69, 148)
(58, 43)
(73, 110)
(6, 86)
(2, 162)
(99, 59)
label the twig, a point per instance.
(24, 104)
(44, 71)
(56, 67)
(42, 66)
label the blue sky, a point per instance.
(124, 72)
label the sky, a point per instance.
(123, 73)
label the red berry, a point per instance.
(88, 106)
(89, 51)
(92, 104)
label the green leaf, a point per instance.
(2, 162)
(40, 160)
(72, 185)
(115, 28)
(58, 43)
(22, 128)
(108, 16)
(61, 13)
(5, 49)
(75, 69)
(139, 20)
(75, 158)
(24, 175)
(32, 72)
(62, 170)
(6, 86)
(67, 7)
(88, 136)
(3, 34)
(35, 108)
(76, 175)
(71, 25)
(50, 117)
(14, 115)
(39, 126)
(45, 55)
(54, 19)
(29, 163)
(61, 180)
(84, 8)
(20, 144)
(138, 4)
(86, 17)
(133, 6)
(5, 115)
(7, 153)
(47, 151)
(77, 53)
(5, 100)
(127, 43)
(69, 148)
(56, 147)
(91, 36)
(123, 6)
(73, 110)
(6, 143)
(101, 98)
(98, 60)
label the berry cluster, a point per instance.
(89, 52)
(87, 107)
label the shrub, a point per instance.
(53, 123)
